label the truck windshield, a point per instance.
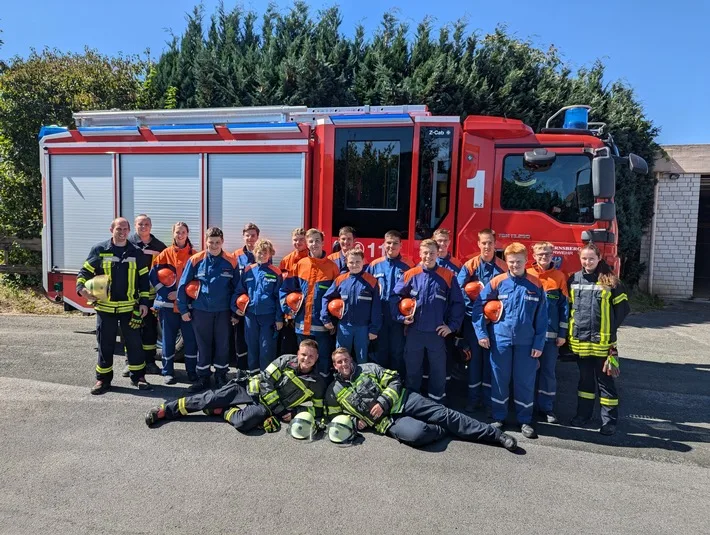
(563, 191)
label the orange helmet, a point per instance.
(336, 307)
(294, 300)
(407, 306)
(192, 289)
(167, 276)
(473, 289)
(493, 310)
(242, 302)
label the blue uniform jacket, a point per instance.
(524, 320)
(362, 301)
(261, 282)
(438, 297)
(217, 276)
(477, 269)
(388, 271)
(450, 262)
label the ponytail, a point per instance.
(605, 275)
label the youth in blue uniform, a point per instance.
(439, 312)
(483, 268)
(516, 340)
(245, 257)
(216, 271)
(264, 318)
(388, 270)
(362, 319)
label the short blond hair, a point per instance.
(300, 231)
(340, 351)
(515, 248)
(315, 232)
(442, 232)
(355, 251)
(429, 243)
(539, 246)
(265, 245)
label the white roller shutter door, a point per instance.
(267, 189)
(167, 188)
(81, 204)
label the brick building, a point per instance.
(676, 246)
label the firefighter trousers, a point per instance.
(355, 339)
(171, 322)
(288, 342)
(238, 407)
(212, 331)
(546, 380)
(149, 336)
(261, 335)
(423, 421)
(419, 342)
(240, 345)
(479, 368)
(514, 362)
(390, 343)
(592, 377)
(107, 325)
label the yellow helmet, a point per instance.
(302, 426)
(341, 429)
(98, 287)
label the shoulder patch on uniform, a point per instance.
(341, 278)
(412, 273)
(408, 261)
(495, 281)
(445, 274)
(197, 257)
(372, 281)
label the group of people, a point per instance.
(395, 326)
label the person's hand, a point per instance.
(234, 319)
(409, 320)
(144, 310)
(172, 296)
(610, 369)
(271, 425)
(240, 312)
(186, 317)
(371, 336)
(361, 425)
(329, 326)
(86, 294)
(376, 411)
(560, 342)
(279, 325)
(443, 330)
(536, 353)
(485, 343)
(286, 417)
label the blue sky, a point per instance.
(659, 48)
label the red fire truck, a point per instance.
(375, 168)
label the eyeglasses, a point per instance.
(543, 254)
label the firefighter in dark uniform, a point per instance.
(289, 385)
(374, 396)
(151, 247)
(598, 305)
(126, 304)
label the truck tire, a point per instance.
(179, 345)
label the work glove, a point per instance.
(611, 365)
(136, 320)
(272, 424)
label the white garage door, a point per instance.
(81, 204)
(267, 189)
(167, 187)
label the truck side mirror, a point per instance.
(603, 177)
(604, 211)
(637, 164)
(539, 159)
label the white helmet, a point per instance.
(341, 429)
(302, 426)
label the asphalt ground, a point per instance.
(75, 463)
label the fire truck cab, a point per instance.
(372, 168)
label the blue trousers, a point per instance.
(390, 342)
(171, 323)
(418, 343)
(423, 421)
(261, 338)
(212, 329)
(512, 362)
(479, 368)
(325, 349)
(547, 382)
(355, 339)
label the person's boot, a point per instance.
(142, 384)
(528, 431)
(101, 387)
(213, 412)
(125, 372)
(498, 424)
(202, 383)
(154, 415)
(508, 442)
(151, 367)
(608, 429)
(579, 421)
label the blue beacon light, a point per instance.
(577, 118)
